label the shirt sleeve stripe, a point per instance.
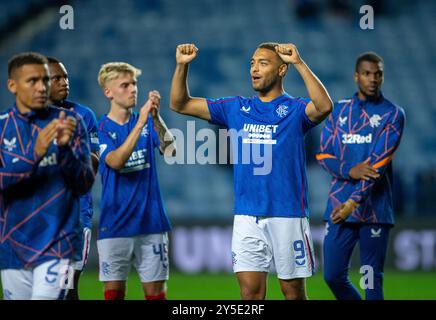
(321, 156)
(383, 162)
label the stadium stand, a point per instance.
(145, 33)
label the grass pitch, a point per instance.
(397, 285)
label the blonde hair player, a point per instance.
(133, 227)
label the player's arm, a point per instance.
(327, 156)
(180, 100)
(93, 139)
(167, 144)
(15, 168)
(332, 162)
(385, 145)
(321, 105)
(95, 160)
(74, 153)
(117, 158)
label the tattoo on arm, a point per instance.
(162, 132)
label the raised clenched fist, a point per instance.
(185, 53)
(289, 53)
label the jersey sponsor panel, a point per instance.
(278, 128)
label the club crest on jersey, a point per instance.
(245, 109)
(342, 121)
(374, 121)
(10, 144)
(144, 131)
(282, 110)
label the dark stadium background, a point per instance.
(199, 198)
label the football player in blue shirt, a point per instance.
(357, 146)
(271, 227)
(59, 90)
(133, 227)
(45, 166)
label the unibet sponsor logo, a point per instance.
(356, 138)
(260, 133)
(138, 154)
(136, 162)
(260, 128)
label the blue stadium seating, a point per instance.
(145, 33)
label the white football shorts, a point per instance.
(147, 253)
(279, 244)
(47, 281)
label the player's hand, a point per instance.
(66, 128)
(144, 111)
(342, 211)
(45, 138)
(185, 53)
(364, 171)
(288, 53)
(154, 96)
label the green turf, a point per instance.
(224, 286)
(398, 285)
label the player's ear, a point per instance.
(356, 76)
(108, 93)
(283, 68)
(12, 86)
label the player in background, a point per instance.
(59, 90)
(271, 226)
(133, 227)
(357, 146)
(45, 166)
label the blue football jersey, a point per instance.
(88, 116)
(268, 153)
(39, 211)
(131, 202)
(358, 130)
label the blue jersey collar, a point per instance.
(380, 99)
(28, 116)
(285, 96)
(66, 104)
